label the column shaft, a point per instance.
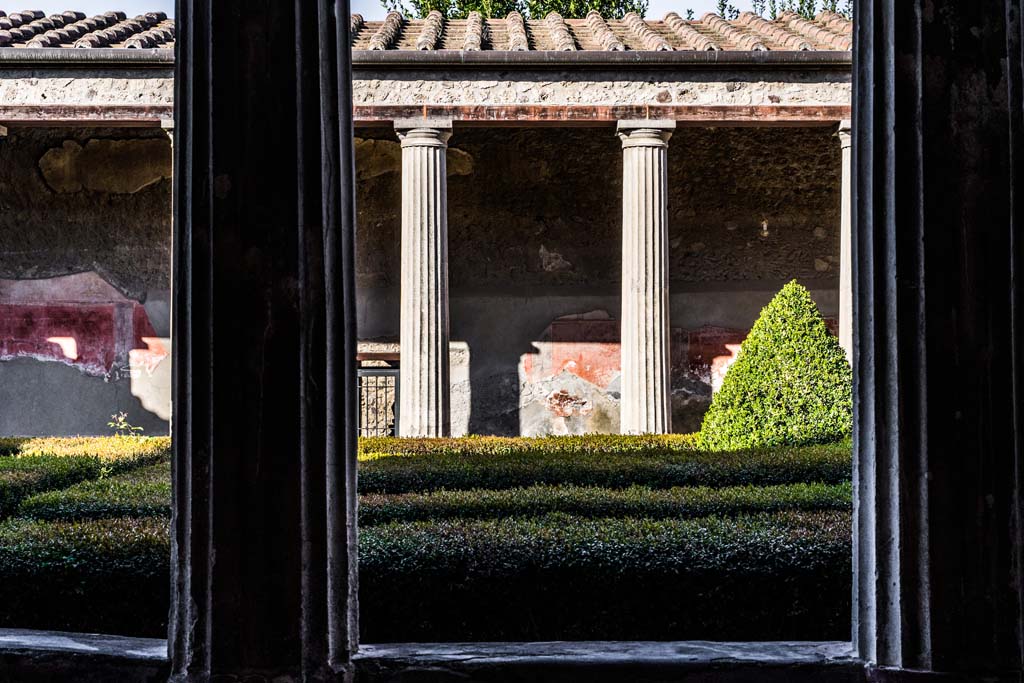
(646, 390)
(424, 369)
(846, 248)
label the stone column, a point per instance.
(646, 393)
(846, 248)
(424, 373)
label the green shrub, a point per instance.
(372, 448)
(656, 467)
(108, 576)
(142, 493)
(45, 464)
(635, 501)
(780, 576)
(107, 448)
(790, 384)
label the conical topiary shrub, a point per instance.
(790, 384)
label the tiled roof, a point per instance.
(827, 32)
(32, 28)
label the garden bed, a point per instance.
(474, 539)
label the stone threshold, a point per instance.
(28, 655)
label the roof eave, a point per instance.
(589, 59)
(433, 59)
(85, 57)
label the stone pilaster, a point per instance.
(646, 393)
(846, 247)
(424, 403)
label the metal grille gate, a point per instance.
(378, 400)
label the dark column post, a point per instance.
(263, 538)
(938, 345)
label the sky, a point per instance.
(370, 9)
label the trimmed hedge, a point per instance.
(107, 576)
(147, 493)
(103, 447)
(791, 383)
(372, 448)
(516, 463)
(47, 464)
(635, 501)
(786, 576)
(634, 560)
(142, 493)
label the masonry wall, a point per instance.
(534, 230)
(534, 220)
(84, 279)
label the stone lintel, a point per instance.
(629, 125)
(429, 123)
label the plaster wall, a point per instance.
(84, 280)
(690, 86)
(534, 230)
(396, 86)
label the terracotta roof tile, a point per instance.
(828, 31)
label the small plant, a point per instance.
(119, 423)
(790, 385)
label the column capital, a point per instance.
(645, 132)
(423, 132)
(845, 133)
(167, 125)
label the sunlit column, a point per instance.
(646, 396)
(424, 404)
(846, 248)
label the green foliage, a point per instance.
(790, 384)
(142, 493)
(556, 557)
(32, 471)
(808, 9)
(372, 448)
(582, 501)
(564, 577)
(556, 576)
(410, 465)
(530, 9)
(107, 448)
(122, 427)
(108, 575)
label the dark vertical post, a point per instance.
(938, 343)
(264, 390)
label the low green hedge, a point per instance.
(635, 501)
(107, 576)
(47, 464)
(103, 447)
(779, 576)
(145, 492)
(585, 444)
(409, 465)
(782, 576)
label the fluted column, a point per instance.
(646, 395)
(845, 247)
(424, 375)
